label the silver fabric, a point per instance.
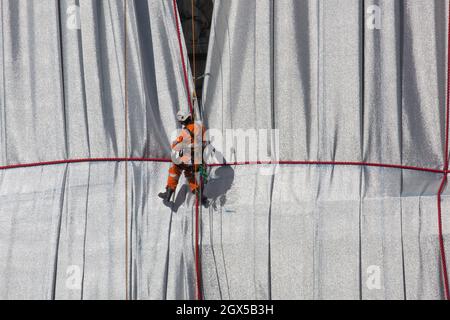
(63, 90)
(63, 234)
(307, 232)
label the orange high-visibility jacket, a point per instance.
(191, 142)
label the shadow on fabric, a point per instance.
(220, 182)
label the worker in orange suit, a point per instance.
(189, 150)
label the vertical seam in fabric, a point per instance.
(319, 100)
(83, 85)
(319, 73)
(126, 148)
(85, 231)
(4, 131)
(444, 180)
(362, 169)
(272, 66)
(63, 79)
(400, 112)
(58, 235)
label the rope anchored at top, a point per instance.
(183, 62)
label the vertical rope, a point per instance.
(198, 267)
(194, 49)
(126, 156)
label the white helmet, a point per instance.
(182, 116)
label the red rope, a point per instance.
(162, 160)
(332, 163)
(185, 74)
(87, 160)
(186, 82)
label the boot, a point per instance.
(167, 196)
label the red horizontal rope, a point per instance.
(330, 163)
(162, 160)
(87, 160)
(334, 163)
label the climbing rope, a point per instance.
(445, 178)
(197, 200)
(199, 196)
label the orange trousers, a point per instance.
(175, 172)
